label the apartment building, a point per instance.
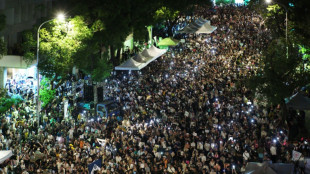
(21, 15)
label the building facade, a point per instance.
(21, 15)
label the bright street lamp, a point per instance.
(286, 20)
(268, 1)
(60, 17)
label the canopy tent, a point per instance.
(206, 28)
(4, 155)
(130, 64)
(199, 26)
(153, 53)
(168, 42)
(142, 59)
(269, 168)
(299, 101)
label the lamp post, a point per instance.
(286, 19)
(59, 17)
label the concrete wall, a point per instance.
(11, 61)
(3, 75)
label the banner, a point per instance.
(94, 166)
(295, 155)
(101, 141)
(66, 104)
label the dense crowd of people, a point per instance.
(187, 112)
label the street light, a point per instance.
(60, 17)
(268, 2)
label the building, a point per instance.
(21, 15)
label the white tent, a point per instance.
(142, 59)
(199, 26)
(4, 155)
(130, 64)
(153, 53)
(206, 28)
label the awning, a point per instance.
(199, 26)
(142, 59)
(4, 155)
(130, 64)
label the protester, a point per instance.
(187, 112)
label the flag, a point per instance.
(94, 166)
(296, 155)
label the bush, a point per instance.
(6, 102)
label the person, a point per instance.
(183, 112)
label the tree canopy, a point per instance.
(115, 20)
(59, 42)
(280, 76)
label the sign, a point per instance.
(296, 155)
(66, 104)
(101, 141)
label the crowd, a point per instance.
(187, 112)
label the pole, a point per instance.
(38, 75)
(286, 34)
(286, 21)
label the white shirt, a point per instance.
(273, 150)
(246, 156)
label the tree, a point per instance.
(279, 76)
(46, 93)
(119, 18)
(6, 102)
(59, 42)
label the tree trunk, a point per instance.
(112, 54)
(118, 56)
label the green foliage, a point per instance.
(59, 41)
(305, 56)
(3, 49)
(28, 46)
(114, 20)
(46, 93)
(279, 76)
(102, 70)
(7, 102)
(165, 13)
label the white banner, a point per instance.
(101, 141)
(66, 104)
